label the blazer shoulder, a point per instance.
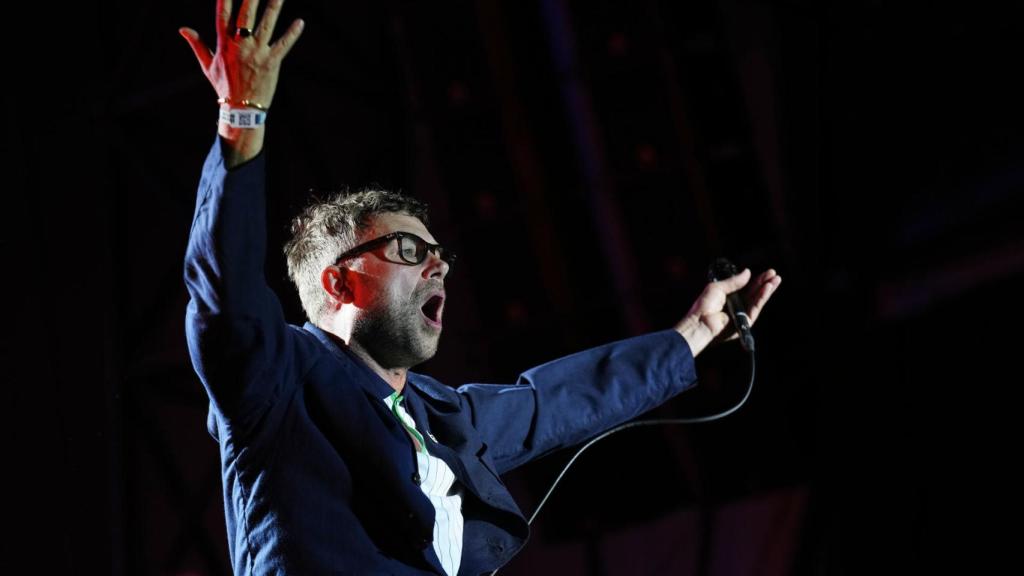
(431, 389)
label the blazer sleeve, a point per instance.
(572, 399)
(237, 335)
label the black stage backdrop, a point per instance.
(588, 160)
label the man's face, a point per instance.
(398, 305)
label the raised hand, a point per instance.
(707, 320)
(245, 67)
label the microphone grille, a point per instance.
(721, 269)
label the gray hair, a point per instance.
(326, 229)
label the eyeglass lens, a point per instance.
(413, 250)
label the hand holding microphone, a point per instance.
(722, 305)
(723, 269)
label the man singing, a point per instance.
(336, 458)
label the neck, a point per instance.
(395, 377)
(340, 328)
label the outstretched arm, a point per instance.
(245, 68)
(566, 401)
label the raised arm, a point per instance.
(237, 334)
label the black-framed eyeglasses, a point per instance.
(411, 248)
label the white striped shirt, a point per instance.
(436, 480)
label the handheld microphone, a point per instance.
(721, 269)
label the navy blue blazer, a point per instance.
(318, 476)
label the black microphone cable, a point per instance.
(652, 422)
(720, 270)
(638, 423)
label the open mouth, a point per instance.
(432, 309)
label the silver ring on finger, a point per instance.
(243, 32)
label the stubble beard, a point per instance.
(395, 334)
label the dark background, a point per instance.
(588, 160)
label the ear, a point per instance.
(335, 281)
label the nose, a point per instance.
(435, 267)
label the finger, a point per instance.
(754, 286)
(224, 28)
(202, 53)
(717, 323)
(734, 283)
(284, 44)
(269, 20)
(763, 294)
(247, 14)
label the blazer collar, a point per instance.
(372, 383)
(431, 389)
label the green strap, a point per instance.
(396, 401)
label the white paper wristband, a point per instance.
(243, 117)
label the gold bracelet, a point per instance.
(244, 103)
